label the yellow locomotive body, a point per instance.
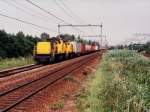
(43, 48)
(51, 51)
(59, 47)
(67, 47)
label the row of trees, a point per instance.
(15, 45)
(138, 47)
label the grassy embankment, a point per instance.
(121, 84)
(15, 62)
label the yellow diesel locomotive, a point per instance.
(52, 50)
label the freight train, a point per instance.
(57, 49)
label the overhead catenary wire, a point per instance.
(26, 22)
(72, 12)
(75, 15)
(15, 6)
(27, 12)
(24, 11)
(48, 12)
(64, 10)
(64, 4)
(22, 5)
(51, 14)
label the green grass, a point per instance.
(15, 62)
(121, 84)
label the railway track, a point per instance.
(12, 98)
(9, 72)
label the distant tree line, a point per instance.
(15, 45)
(67, 37)
(138, 47)
(79, 39)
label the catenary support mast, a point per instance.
(86, 25)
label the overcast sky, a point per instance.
(120, 18)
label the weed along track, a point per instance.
(18, 94)
(18, 70)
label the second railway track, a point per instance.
(9, 72)
(11, 98)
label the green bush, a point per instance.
(121, 84)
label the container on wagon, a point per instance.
(88, 48)
(83, 50)
(76, 47)
(96, 48)
(93, 48)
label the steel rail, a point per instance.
(41, 84)
(9, 72)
